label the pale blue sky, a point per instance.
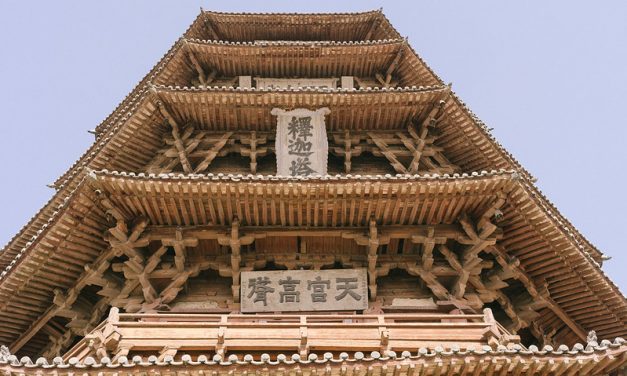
(550, 77)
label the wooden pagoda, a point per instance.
(299, 194)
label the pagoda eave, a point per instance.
(236, 108)
(363, 59)
(280, 26)
(593, 359)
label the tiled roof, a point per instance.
(577, 355)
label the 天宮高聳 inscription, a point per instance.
(304, 290)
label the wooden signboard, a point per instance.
(301, 144)
(304, 290)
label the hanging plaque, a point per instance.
(304, 290)
(292, 83)
(301, 142)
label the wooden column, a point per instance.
(235, 241)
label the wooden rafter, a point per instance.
(64, 300)
(387, 153)
(541, 297)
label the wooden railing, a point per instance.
(172, 334)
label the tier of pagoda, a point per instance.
(299, 194)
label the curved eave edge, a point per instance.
(592, 351)
(505, 174)
(219, 13)
(232, 89)
(587, 247)
(293, 43)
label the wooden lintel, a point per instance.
(440, 232)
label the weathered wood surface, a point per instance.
(304, 290)
(126, 334)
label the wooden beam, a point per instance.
(393, 65)
(350, 148)
(253, 150)
(210, 154)
(180, 242)
(415, 232)
(202, 78)
(180, 147)
(373, 26)
(387, 153)
(373, 247)
(68, 299)
(540, 295)
(210, 28)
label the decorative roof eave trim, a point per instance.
(321, 43)
(63, 182)
(246, 17)
(593, 274)
(518, 182)
(614, 353)
(494, 174)
(367, 90)
(219, 13)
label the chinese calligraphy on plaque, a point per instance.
(292, 83)
(304, 290)
(301, 142)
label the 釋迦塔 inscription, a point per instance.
(304, 290)
(301, 142)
